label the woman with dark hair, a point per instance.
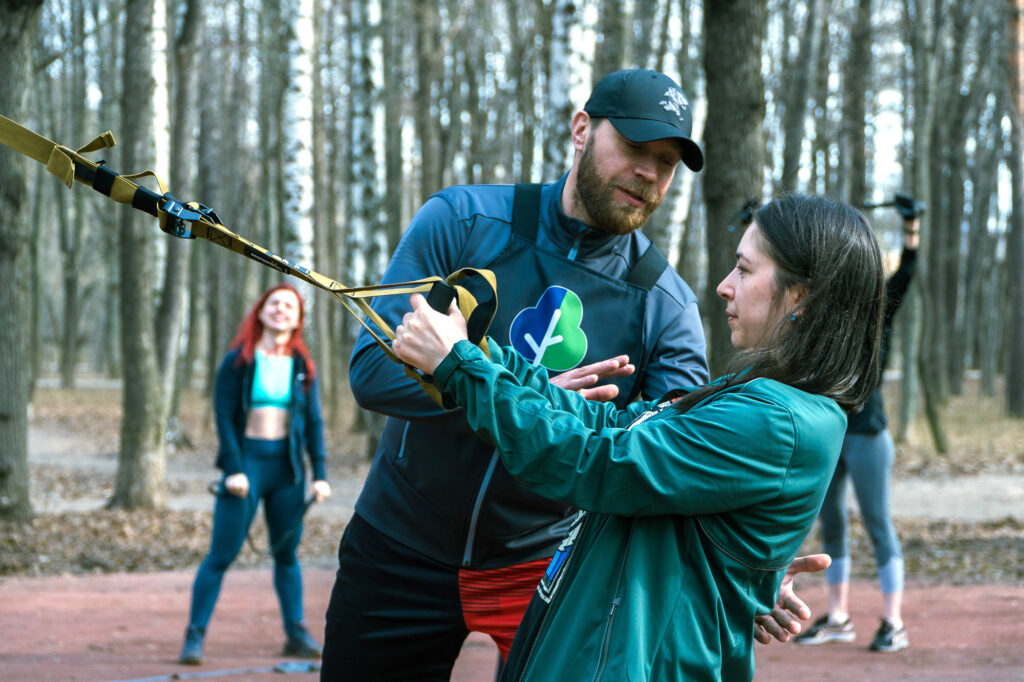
(691, 506)
(267, 408)
(866, 460)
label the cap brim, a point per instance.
(645, 130)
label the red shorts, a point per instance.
(494, 600)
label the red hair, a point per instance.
(251, 329)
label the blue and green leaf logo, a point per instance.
(549, 334)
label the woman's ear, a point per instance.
(795, 295)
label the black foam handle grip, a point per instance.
(440, 296)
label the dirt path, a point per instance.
(129, 627)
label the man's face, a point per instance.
(619, 183)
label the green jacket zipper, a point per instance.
(547, 611)
(606, 644)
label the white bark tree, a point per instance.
(560, 105)
(296, 192)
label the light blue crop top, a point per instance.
(272, 381)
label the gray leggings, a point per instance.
(867, 460)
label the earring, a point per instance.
(792, 318)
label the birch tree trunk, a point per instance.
(295, 193)
(363, 199)
(559, 105)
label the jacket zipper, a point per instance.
(467, 552)
(606, 644)
(547, 611)
(575, 248)
(644, 416)
(298, 467)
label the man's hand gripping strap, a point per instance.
(479, 316)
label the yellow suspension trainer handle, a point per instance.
(191, 220)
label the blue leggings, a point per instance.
(867, 459)
(266, 464)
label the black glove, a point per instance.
(907, 206)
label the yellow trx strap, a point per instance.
(190, 220)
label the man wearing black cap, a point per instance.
(444, 541)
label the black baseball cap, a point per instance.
(646, 105)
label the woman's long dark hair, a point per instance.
(832, 346)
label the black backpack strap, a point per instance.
(526, 211)
(648, 269)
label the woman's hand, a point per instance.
(784, 620)
(911, 233)
(237, 484)
(321, 491)
(426, 336)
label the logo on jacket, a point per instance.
(549, 334)
(552, 577)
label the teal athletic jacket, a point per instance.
(688, 519)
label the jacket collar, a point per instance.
(564, 232)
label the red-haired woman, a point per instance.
(267, 407)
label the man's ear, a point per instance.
(580, 129)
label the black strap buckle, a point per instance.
(176, 215)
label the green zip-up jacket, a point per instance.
(689, 518)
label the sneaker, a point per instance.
(824, 631)
(192, 650)
(889, 638)
(300, 643)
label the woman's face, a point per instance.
(749, 291)
(280, 312)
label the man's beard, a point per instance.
(597, 197)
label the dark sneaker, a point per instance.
(823, 631)
(889, 638)
(192, 650)
(300, 643)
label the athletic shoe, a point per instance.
(300, 643)
(889, 638)
(824, 631)
(192, 650)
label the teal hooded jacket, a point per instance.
(688, 519)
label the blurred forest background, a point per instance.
(317, 128)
